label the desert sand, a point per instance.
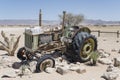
(107, 42)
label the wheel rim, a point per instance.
(46, 63)
(87, 48)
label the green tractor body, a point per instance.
(76, 44)
(33, 40)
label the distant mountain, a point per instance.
(27, 22)
(54, 22)
(99, 22)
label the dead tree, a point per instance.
(9, 44)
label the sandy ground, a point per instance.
(108, 43)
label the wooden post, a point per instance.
(63, 23)
(117, 34)
(98, 33)
(40, 18)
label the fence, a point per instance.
(99, 32)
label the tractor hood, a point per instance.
(34, 30)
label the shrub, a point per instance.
(94, 57)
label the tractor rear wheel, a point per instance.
(83, 44)
(44, 62)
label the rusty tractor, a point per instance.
(76, 43)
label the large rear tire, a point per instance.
(83, 44)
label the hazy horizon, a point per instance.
(59, 20)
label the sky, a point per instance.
(108, 10)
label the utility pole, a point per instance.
(40, 18)
(63, 23)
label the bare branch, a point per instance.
(16, 44)
(9, 46)
(4, 48)
(3, 44)
(6, 39)
(1, 47)
(72, 20)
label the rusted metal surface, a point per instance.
(51, 46)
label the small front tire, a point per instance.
(21, 54)
(44, 62)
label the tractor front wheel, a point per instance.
(44, 62)
(21, 54)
